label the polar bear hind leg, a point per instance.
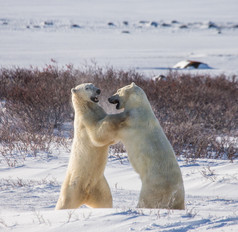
(149, 199)
(71, 197)
(100, 196)
(155, 197)
(178, 200)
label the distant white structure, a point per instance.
(189, 64)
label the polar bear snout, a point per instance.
(115, 100)
(94, 98)
(98, 91)
(112, 100)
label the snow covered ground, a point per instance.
(29, 194)
(150, 36)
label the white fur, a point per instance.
(150, 152)
(85, 182)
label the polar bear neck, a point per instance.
(138, 100)
(143, 106)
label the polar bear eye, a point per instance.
(87, 88)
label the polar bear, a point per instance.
(94, 131)
(149, 151)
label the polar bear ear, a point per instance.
(73, 90)
(133, 84)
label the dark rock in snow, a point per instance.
(48, 23)
(143, 22)
(111, 24)
(212, 25)
(75, 26)
(165, 25)
(125, 32)
(154, 24)
(183, 26)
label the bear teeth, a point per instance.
(94, 99)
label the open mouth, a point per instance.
(115, 101)
(94, 99)
(118, 104)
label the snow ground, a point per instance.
(145, 35)
(29, 194)
(34, 32)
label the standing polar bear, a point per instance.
(94, 131)
(149, 151)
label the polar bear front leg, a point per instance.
(105, 131)
(100, 196)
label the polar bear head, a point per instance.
(129, 96)
(86, 92)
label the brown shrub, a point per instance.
(40, 98)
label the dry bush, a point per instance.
(40, 98)
(117, 150)
(35, 103)
(199, 99)
(9, 184)
(194, 110)
(18, 141)
(16, 145)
